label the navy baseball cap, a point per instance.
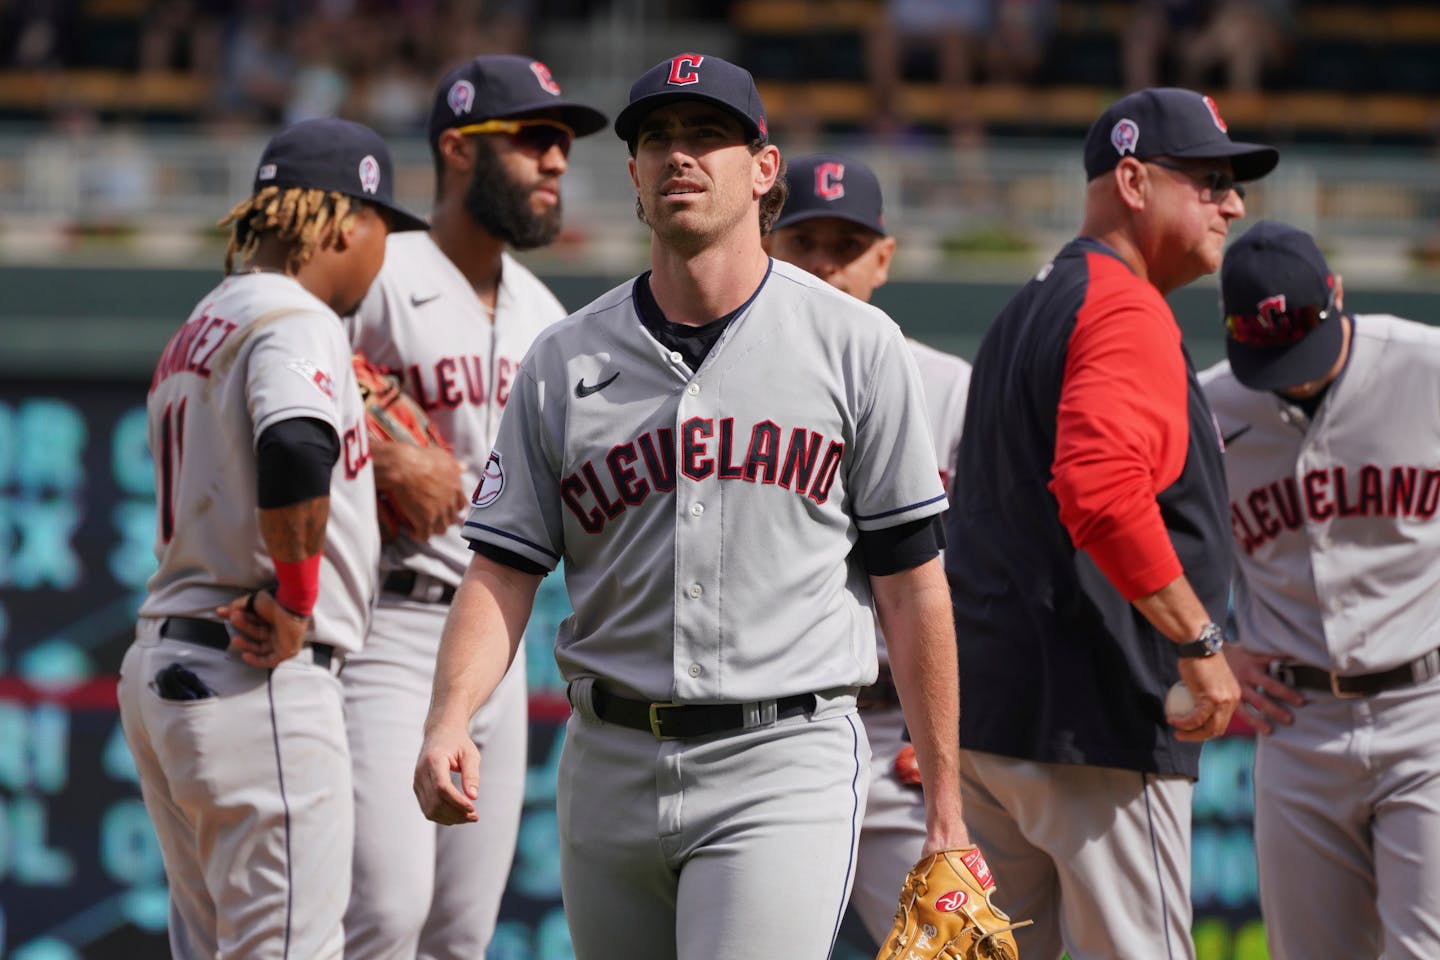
(1282, 327)
(504, 86)
(339, 155)
(1171, 122)
(829, 185)
(695, 76)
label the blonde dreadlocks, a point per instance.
(308, 219)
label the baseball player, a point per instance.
(454, 313)
(1090, 503)
(833, 225)
(1332, 455)
(707, 446)
(228, 695)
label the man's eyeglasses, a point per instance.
(1218, 183)
(537, 135)
(1273, 327)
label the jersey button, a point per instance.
(696, 509)
(694, 669)
(693, 389)
(675, 357)
(695, 591)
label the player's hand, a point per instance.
(425, 484)
(263, 632)
(1216, 695)
(1264, 696)
(445, 752)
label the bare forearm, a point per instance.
(1175, 610)
(297, 531)
(914, 613)
(484, 629)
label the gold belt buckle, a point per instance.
(1335, 688)
(656, 721)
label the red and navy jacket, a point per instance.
(1089, 474)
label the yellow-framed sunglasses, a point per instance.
(537, 135)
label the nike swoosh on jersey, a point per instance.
(582, 391)
(418, 301)
(1231, 438)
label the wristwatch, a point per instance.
(1207, 644)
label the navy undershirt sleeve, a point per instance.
(293, 461)
(902, 547)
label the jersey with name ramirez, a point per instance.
(707, 518)
(258, 350)
(1335, 519)
(423, 321)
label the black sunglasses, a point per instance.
(1271, 328)
(1218, 183)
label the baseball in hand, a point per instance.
(1179, 700)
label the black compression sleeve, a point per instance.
(293, 462)
(903, 547)
(506, 557)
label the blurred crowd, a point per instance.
(268, 61)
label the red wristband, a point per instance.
(299, 584)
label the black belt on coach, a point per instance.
(212, 634)
(408, 583)
(681, 721)
(1361, 685)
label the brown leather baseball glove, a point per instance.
(392, 414)
(945, 912)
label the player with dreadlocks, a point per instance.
(228, 695)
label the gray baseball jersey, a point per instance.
(946, 379)
(259, 349)
(421, 889)
(1335, 520)
(245, 772)
(690, 507)
(1336, 542)
(422, 320)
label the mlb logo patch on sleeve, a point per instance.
(318, 378)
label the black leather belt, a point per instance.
(1361, 685)
(212, 634)
(410, 584)
(680, 721)
(879, 695)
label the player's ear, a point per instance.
(634, 180)
(1339, 293)
(1132, 182)
(454, 150)
(884, 253)
(767, 169)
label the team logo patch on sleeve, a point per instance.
(492, 482)
(318, 378)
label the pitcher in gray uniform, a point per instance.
(1332, 458)
(833, 225)
(228, 695)
(453, 313)
(733, 460)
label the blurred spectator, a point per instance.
(320, 87)
(257, 69)
(182, 35)
(952, 30)
(37, 33)
(1239, 37)
(1015, 48)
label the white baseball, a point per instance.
(1179, 700)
